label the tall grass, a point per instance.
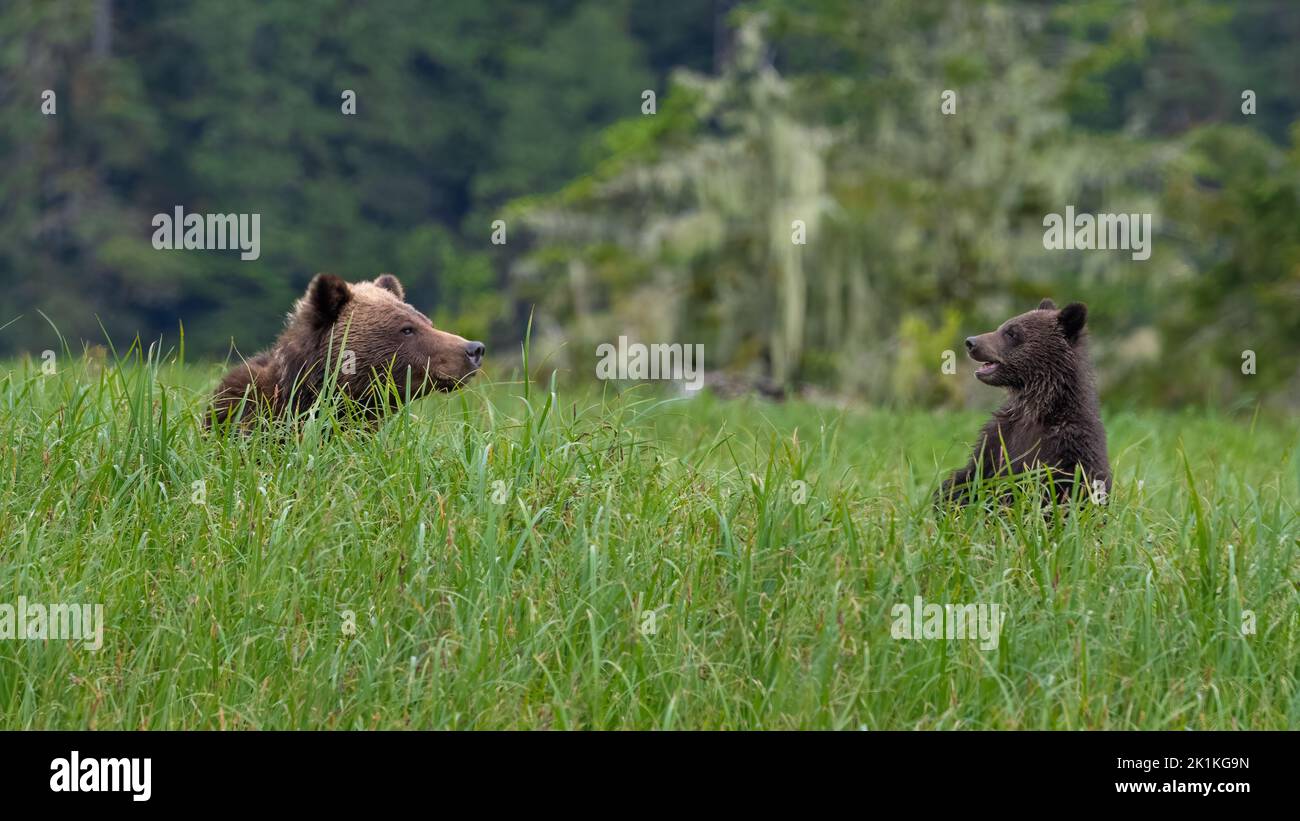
(514, 556)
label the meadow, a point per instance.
(519, 555)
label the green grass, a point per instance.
(532, 613)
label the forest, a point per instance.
(826, 194)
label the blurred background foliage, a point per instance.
(677, 225)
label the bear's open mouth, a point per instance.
(986, 369)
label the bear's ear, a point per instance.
(1071, 319)
(1047, 304)
(326, 296)
(389, 283)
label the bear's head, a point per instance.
(367, 330)
(1029, 350)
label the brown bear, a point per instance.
(1052, 418)
(358, 333)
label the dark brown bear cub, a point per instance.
(1051, 418)
(364, 331)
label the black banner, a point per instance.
(330, 770)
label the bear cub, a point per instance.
(364, 331)
(1051, 418)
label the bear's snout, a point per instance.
(979, 349)
(451, 360)
(475, 350)
(985, 350)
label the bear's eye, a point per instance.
(1012, 334)
(408, 330)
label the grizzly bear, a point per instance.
(1052, 418)
(357, 334)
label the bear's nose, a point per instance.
(474, 350)
(970, 343)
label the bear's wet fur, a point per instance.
(358, 334)
(1052, 417)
